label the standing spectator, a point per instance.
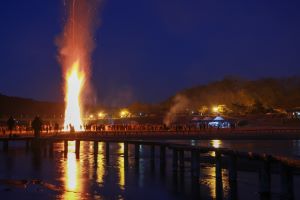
(11, 123)
(37, 126)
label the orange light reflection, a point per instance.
(72, 185)
(121, 166)
(100, 164)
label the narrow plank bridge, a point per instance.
(182, 156)
(238, 133)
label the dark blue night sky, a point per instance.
(149, 49)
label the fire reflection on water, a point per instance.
(216, 144)
(72, 185)
(97, 167)
(73, 168)
(121, 166)
(215, 186)
(211, 181)
(211, 171)
(71, 172)
(100, 164)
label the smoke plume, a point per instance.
(76, 42)
(180, 103)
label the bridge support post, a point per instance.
(232, 170)
(36, 145)
(5, 145)
(65, 148)
(125, 154)
(287, 183)
(107, 152)
(125, 150)
(175, 169)
(27, 145)
(175, 159)
(77, 148)
(232, 173)
(219, 183)
(195, 173)
(42, 145)
(137, 154)
(51, 148)
(181, 168)
(152, 157)
(265, 179)
(181, 160)
(195, 163)
(162, 158)
(96, 148)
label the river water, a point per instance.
(27, 175)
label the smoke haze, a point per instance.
(180, 103)
(76, 42)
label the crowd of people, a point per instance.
(12, 127)
(150, 127)
(37, 126)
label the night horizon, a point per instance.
(162, 99)
(202, 43)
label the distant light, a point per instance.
(101, 115)
(215, 109)
(124, 113)
(193, 142)
(91, 116)
(216, 143)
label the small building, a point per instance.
(294, 113)
(219, 122)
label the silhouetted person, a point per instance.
(72, 129)
(56, 127)
(11, 123)
(37, 126)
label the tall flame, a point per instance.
(75, 47)
(74, 84)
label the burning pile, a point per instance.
(74, 84)
(75, 48)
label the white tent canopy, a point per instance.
(218, 118)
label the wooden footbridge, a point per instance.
(210, 133)
(183, 156)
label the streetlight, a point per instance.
(215, 109)
(101, 115)
(124, 113)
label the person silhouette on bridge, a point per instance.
(37, 126)
(11, 123)
(56, 127)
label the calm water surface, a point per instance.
(93, 177)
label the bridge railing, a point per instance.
(157, 133)
(182, 153)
